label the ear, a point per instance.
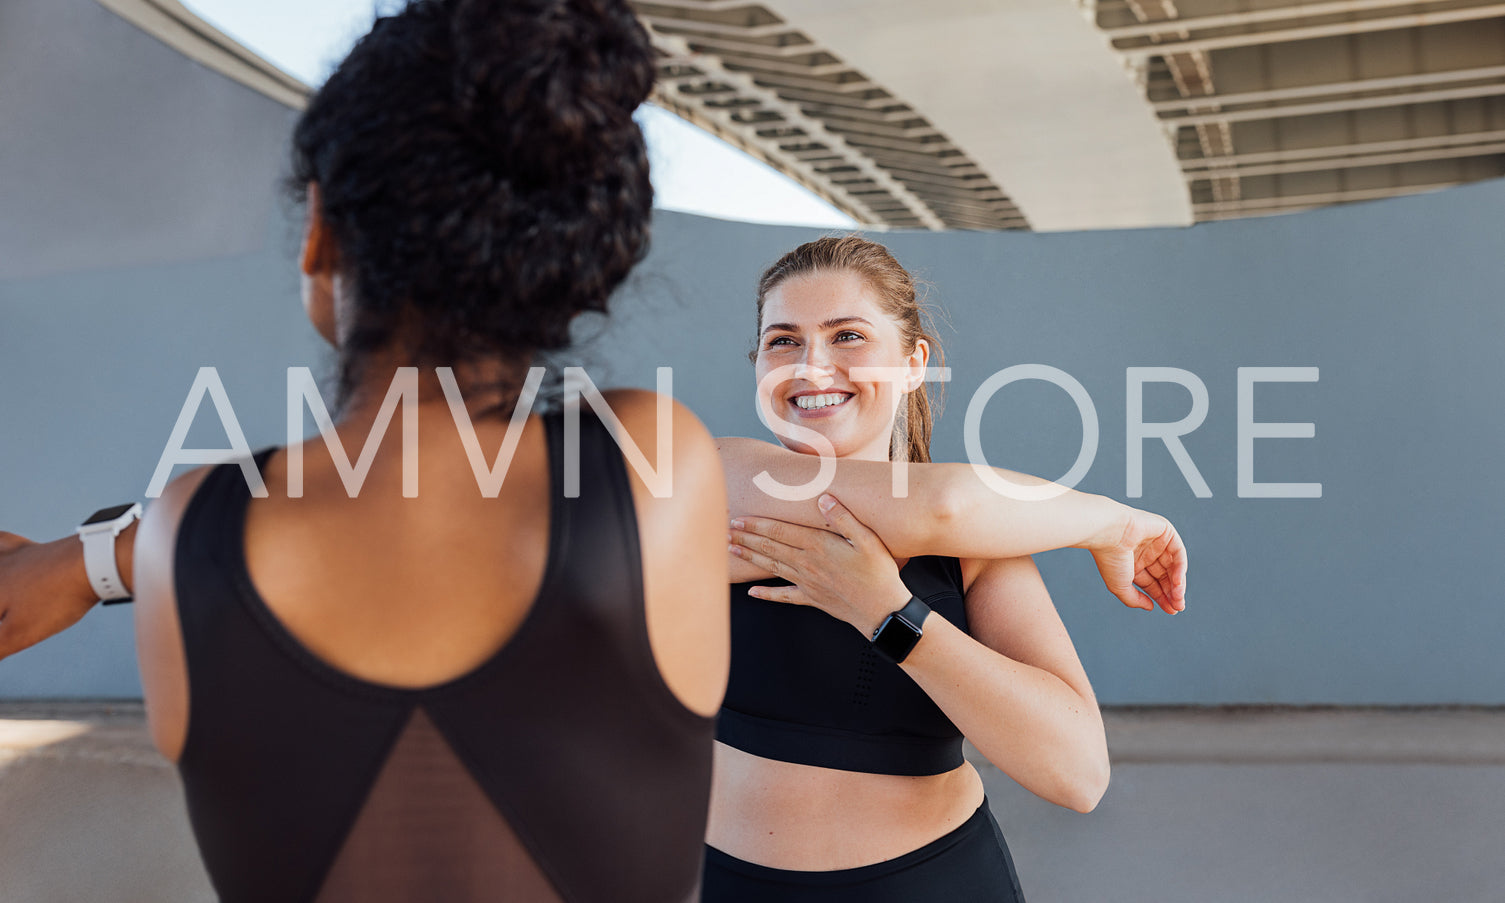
(318, 264)
(319, 256)
(918, 360)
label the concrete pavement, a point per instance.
(1226, 805)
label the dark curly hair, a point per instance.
(481, 175)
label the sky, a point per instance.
(692, 170)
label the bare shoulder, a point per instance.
(159, 640)
(638, 409)
(156, 535)
(695, 464)
(740, 453)
(685, 571)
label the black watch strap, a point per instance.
(900, 631)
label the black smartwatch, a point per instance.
(900, 631)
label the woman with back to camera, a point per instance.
(449, 696)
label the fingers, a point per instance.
(1180, 561)
(1134, 599)
(791, 595)
(1153, 579)
(797, 536)
(1160, 564)
(1170, 569)
(767, 563)
(845, 522)
(1157, 588)
(761, 543)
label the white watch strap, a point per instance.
(100, 565)
(99, 562)
(99, 552)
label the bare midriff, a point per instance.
(807, 818)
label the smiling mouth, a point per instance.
(820, 402)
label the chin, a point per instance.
(840, 445)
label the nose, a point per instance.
(816, 362)
(811, 371)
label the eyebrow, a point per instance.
(829, 324)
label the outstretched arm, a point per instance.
(950, 510)
(44, 588)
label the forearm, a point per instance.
(1023, 719)
(948, 508)
(44, 587)
(975, 520)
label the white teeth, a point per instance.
(819, 401)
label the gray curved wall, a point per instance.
(1384, 590)
(139, 240)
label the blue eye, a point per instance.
(843, 336)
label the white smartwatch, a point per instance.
(98, 535)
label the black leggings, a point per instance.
(969, 865)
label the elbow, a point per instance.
(1086, 791)
(1088, 794)
(1084, 786)
(944, 508)
(1070, 781)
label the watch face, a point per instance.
(896, 638)
(105, 515)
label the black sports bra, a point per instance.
(805, 687)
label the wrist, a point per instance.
(107, 562)
(125, 556)
(902, 631)
(1112, 522)
(68, 552)
(872, 620)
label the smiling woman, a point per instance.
(806, 365)
(805, 356)
(839, 769)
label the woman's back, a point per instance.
(453, 697)
(477, 562)
(448, 696)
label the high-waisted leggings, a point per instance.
(969, 865)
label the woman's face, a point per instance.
(816, 329)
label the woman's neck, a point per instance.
(483, 385)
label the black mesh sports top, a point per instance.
(562, 769)
(805, 687)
